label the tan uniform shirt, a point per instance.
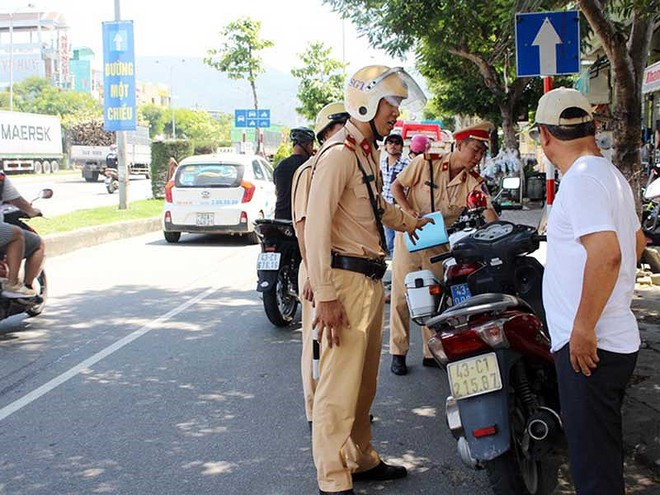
(449, 195)
(339, 215)
(299, 193)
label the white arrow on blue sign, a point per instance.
(547, 43)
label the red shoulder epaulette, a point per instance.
(432, 156)
(476, 175)
(350, 142)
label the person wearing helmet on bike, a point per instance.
(330, 119)
(303, 147)
(431, 183)
(345, 257)
(419, 144)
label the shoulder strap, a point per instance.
(374, 206)
(431, 184)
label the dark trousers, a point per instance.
(591, 412)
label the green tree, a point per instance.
(321, 79)
(199, 125)
(36, 95)
(624, 29)
(238, 53)
(154, 117)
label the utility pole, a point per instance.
(120, 138)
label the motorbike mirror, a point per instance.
(511, 183)
(45, 194)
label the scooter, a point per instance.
(490, 338)
(277, 269)
(111, 180)
(651, 209)
(33, 306)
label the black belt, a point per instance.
(374, 269)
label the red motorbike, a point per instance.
(491, 339)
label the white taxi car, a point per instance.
(218, 194)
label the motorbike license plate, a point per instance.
(474, 376)
(460, 293)
(205, 219)
(268, 261)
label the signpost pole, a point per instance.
(120, 138)
(549, 167)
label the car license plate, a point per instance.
(460, 293)
(474, 376)
(268, 261)
(205, 219)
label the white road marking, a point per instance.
(87, 363)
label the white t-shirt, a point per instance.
(593, 197)
(9, 192)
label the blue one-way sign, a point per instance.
(547, 43)
(119, 100)
(252, 118)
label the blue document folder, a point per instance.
(431, 235)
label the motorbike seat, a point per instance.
(273, 221)
(478, 305)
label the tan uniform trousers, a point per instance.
(341, 432)
(307, 310)
(404, 262)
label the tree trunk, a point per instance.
(257, 143)
(627, 56)
(508, 126)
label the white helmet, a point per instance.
(372, 83)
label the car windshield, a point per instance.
(209, 175)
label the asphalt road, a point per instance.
(71, 192)
(155, 371)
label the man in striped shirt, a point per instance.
(391, 165)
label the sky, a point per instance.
(191, 27)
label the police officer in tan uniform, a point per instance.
(431, 183)
(346, 262)
(330, 119)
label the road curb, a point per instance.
(57, 244)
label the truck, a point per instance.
(92, 146)
(30, 142)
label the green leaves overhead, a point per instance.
(321, 80)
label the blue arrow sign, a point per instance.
(118, 77)
(249, 117)
(547, 43)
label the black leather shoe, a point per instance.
(382, 472)
(343, 492)
(399, 364)
(430, 363)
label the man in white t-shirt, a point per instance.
(594, 243)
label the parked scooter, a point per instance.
(33, 306)
(651, 209)
(111, 180)
(491, 340)
(277, 268)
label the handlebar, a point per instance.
(440, 257)
(540, 238)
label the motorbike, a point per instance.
(277, 269)
(651, 207)
(33, 306)
(490, 339)
(111, 180)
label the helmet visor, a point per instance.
(397, 77)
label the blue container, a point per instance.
(431, 235)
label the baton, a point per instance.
(316, 353)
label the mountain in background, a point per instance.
(196, 85)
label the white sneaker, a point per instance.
(17, 291)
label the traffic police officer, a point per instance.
(330, 119)
(345, 257)
(433, 183)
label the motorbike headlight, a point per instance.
(438, 350)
